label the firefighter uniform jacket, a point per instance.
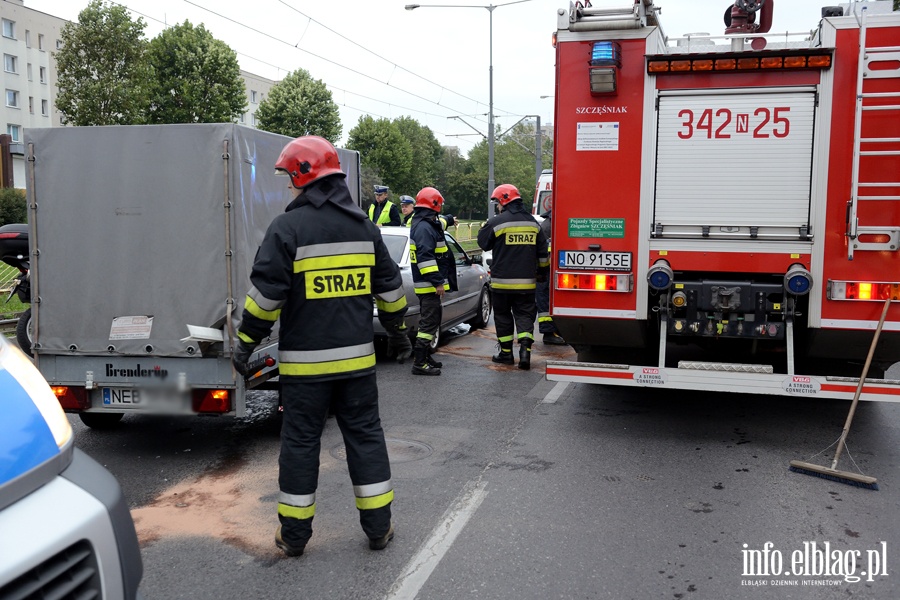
(431, 259)
(317, 270)
(519, 249)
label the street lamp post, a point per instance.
(490, 136)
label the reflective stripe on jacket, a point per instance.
(520, 249)
(316, 273)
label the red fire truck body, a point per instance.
(727, 211)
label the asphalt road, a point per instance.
(509, 486)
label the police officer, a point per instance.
(520, 257)
(407, 204)
(434, 273)
(542, 293)
(383, 212)
(316, 271)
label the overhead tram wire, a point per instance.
(361, 111)
(387, 60)
(328, 60)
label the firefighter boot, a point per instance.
(505, 356)
(420, 363)
(382, 542)
(434, 363)
(285, 547)
(525, 355)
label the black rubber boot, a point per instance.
(434, 363)
(524, 356)
(505, 356)
(420, 363)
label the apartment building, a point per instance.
(27, 41)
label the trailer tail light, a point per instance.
(211, 401)
(863, 290)
(730, 62)
(592, 282)
(71, 398)
(798, 280)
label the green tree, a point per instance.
(514, 161)
(196, 78)
(13, 208)
(463, 191)
(102, 71)
(426, 151)
(300, 105)
(383, 147)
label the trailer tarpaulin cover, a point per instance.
(130, 228)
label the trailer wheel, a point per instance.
(101, 420)
(25, 332)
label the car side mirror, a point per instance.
(476, 260)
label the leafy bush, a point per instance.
(13, 208)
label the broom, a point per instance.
(833, 473)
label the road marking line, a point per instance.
(420, 567)
(554, 394)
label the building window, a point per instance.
(253, 120)
(253, 96)
(30, 73)
(10, 63)
(58, 44)
(27, 39)
(12, 98)
(31, 104)
(242, 117)
(9, 28)
(40, 41)
(45, 108)
(14, 131)
(43, 74)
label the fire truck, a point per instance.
(727, 208)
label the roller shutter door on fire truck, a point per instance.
(734, 165)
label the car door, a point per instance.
(458, 303)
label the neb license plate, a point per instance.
(613, 261)
(121, 397)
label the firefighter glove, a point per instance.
(398, 340)
(241, 357)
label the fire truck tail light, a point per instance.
(660, 275)
(798, 280)
(772, 62)
(748, 63)
(863, 290)
(819, 62)
(592, 282)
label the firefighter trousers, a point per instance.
(430, 315)
(514, 312)
(354, 402)
(542, 300)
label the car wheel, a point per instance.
(481, 319)
(100, 420)
(436, 341)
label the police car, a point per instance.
(65, 528)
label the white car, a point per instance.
(66, 528)
(471, 304)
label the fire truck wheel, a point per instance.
(24, 331)
(101, 420)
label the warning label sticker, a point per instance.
(801, 385)
(131, 328)
(650, 376)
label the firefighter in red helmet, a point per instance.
(316, 272)
(520, 257)
(433, 271)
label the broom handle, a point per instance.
(862, 379)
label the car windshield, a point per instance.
(396, 245)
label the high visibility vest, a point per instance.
(385, 215)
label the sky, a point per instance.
(430, 63)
